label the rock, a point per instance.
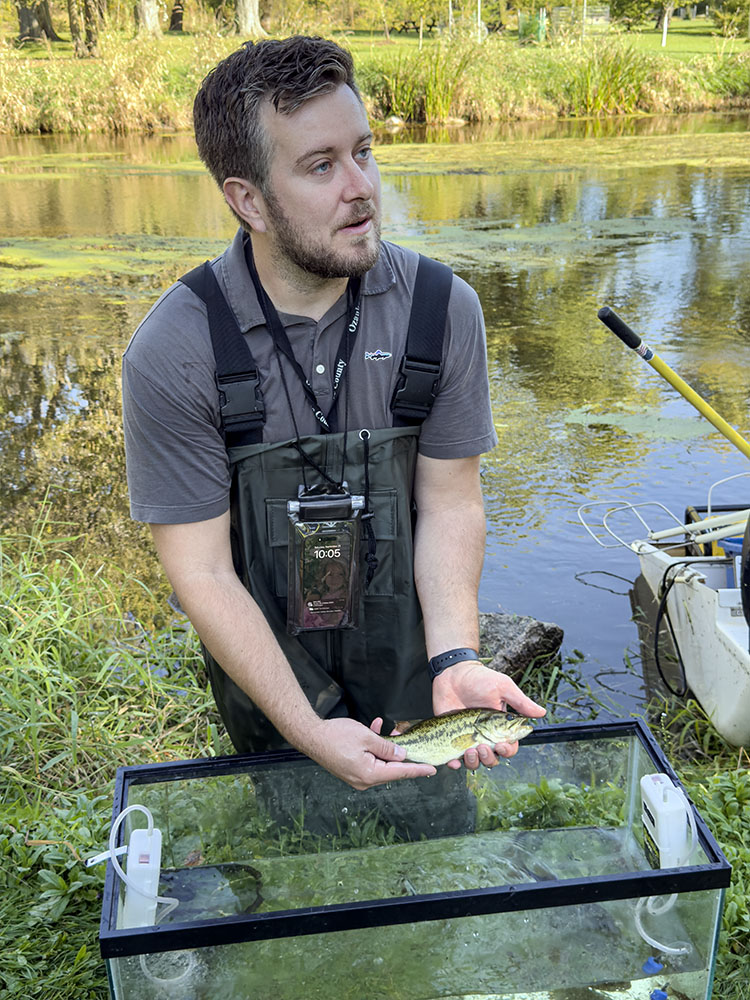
(514, 641)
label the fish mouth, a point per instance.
(517, 727)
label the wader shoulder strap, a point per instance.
(241, 402)
(420, 366)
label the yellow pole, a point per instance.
(629, 337)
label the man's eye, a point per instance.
(321, 168)
(363, 154)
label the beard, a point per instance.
(292, 245)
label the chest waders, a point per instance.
(380, 668)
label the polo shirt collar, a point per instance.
(240, 292)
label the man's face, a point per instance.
(323, 199)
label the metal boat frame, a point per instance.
(696, 584)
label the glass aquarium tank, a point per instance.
(576, 869)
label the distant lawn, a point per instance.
(687, 39)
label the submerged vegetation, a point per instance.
(86, 688)
(147, 84)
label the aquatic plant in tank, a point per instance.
(276, 880)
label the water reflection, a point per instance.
(546, 231)
(570, 128)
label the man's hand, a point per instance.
(360, 756)
(472, 685)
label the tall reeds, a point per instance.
(605, 79)
(147, 85)
(427, 85)
(84, 686)
(500, 80)
(83, 689)
(136, 85)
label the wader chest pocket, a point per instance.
(384, 505)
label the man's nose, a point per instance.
(359, 186)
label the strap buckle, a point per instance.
(240, 399)
(417, 387)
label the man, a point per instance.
(323, 306)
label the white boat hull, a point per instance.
(712, 634)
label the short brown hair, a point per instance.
(226, 112)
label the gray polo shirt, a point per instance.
(178, 470)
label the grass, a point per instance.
(147, 85)
(717, 777)
(688, 40)
(84, 688)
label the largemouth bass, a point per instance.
(448, 737)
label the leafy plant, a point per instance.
(723, 799)
(84, 688)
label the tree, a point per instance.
(631, 13)
(92, 15)
(147, 17)
(76, 30)
(35, 22)
(84, 17)
(663, 18)
(175, 18)
(247, 19)
(732, 17)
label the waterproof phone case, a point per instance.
(323, 588)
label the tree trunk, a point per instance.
(76, 30)
(248, 19)
(147, 17)
(175, 19)
(665, 11)
(663, 20)
(35, 22)
(91, 18)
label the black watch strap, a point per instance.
(444, 660)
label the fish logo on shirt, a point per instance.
(377, 355)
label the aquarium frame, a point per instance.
(240, 928)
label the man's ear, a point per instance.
(247, 201)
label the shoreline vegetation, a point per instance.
(146, 84)
(89, 682)
(88, 687)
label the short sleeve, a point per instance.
(460, 424)
(177, 465)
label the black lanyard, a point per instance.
(281, 341)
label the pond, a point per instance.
(547, 221)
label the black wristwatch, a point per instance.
(440, 663)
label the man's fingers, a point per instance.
(381, 772)
(486, 755)
(516, 700)
(386, 750)
(377, 725)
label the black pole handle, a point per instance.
(610, 319)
